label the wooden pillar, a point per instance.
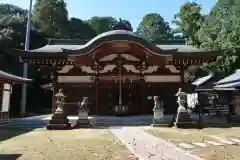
(54, 88)
(143, 98)
(97, 95)
(182, 75)
(1, 95)
(53, 101)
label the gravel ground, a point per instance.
(223, 152)
(81, 144)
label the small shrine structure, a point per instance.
(6, 82)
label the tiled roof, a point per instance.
(228, 85)
(202, 80)
(233, 77)
(13, 78)
(82, 46)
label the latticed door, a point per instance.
(131, 98)
(74, 94)
(108, 98)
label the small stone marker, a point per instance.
(185, 145)
(213, 143)
(200, 144)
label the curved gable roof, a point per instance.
(73, 46)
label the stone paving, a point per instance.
(149, 147)
(216, 142)
(34, 121)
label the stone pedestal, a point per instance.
(58, 121)
(183, 119)
(83, 120)
(158, 118)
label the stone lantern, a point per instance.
(183, 118)
(59, 119)
(60, 101)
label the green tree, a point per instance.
(189, 21)
(13, 22)
(220, 32)
(80, 29)
(51, 17)
(101, 24)
(153, 27)
(214, 32)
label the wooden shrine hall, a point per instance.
(116, 68)
(6, 82)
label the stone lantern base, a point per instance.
(83, 120)
(59, 121)
(183, 119)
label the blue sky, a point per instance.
(132, 10)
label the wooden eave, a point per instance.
(9, 78)
(47, 86)
(69, 54)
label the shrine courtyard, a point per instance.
(102, 144)
(41, 144)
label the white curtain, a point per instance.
(192, 100)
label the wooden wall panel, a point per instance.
(1, 95)
(166, 92)
(75, 94)
(109, 96)
(108, 99)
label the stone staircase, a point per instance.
(123, 121)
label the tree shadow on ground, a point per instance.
(7, 132)
(9, 156)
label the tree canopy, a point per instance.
(153, 27)
(188, 21)
(101, 24)
(217, 31)
(80, 29)
(51, 17)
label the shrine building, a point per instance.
(6, 82)
(116, 68)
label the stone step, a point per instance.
(235, 140)
(214, 143)
(186, 146)
(200, 144)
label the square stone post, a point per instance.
(159, 120)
